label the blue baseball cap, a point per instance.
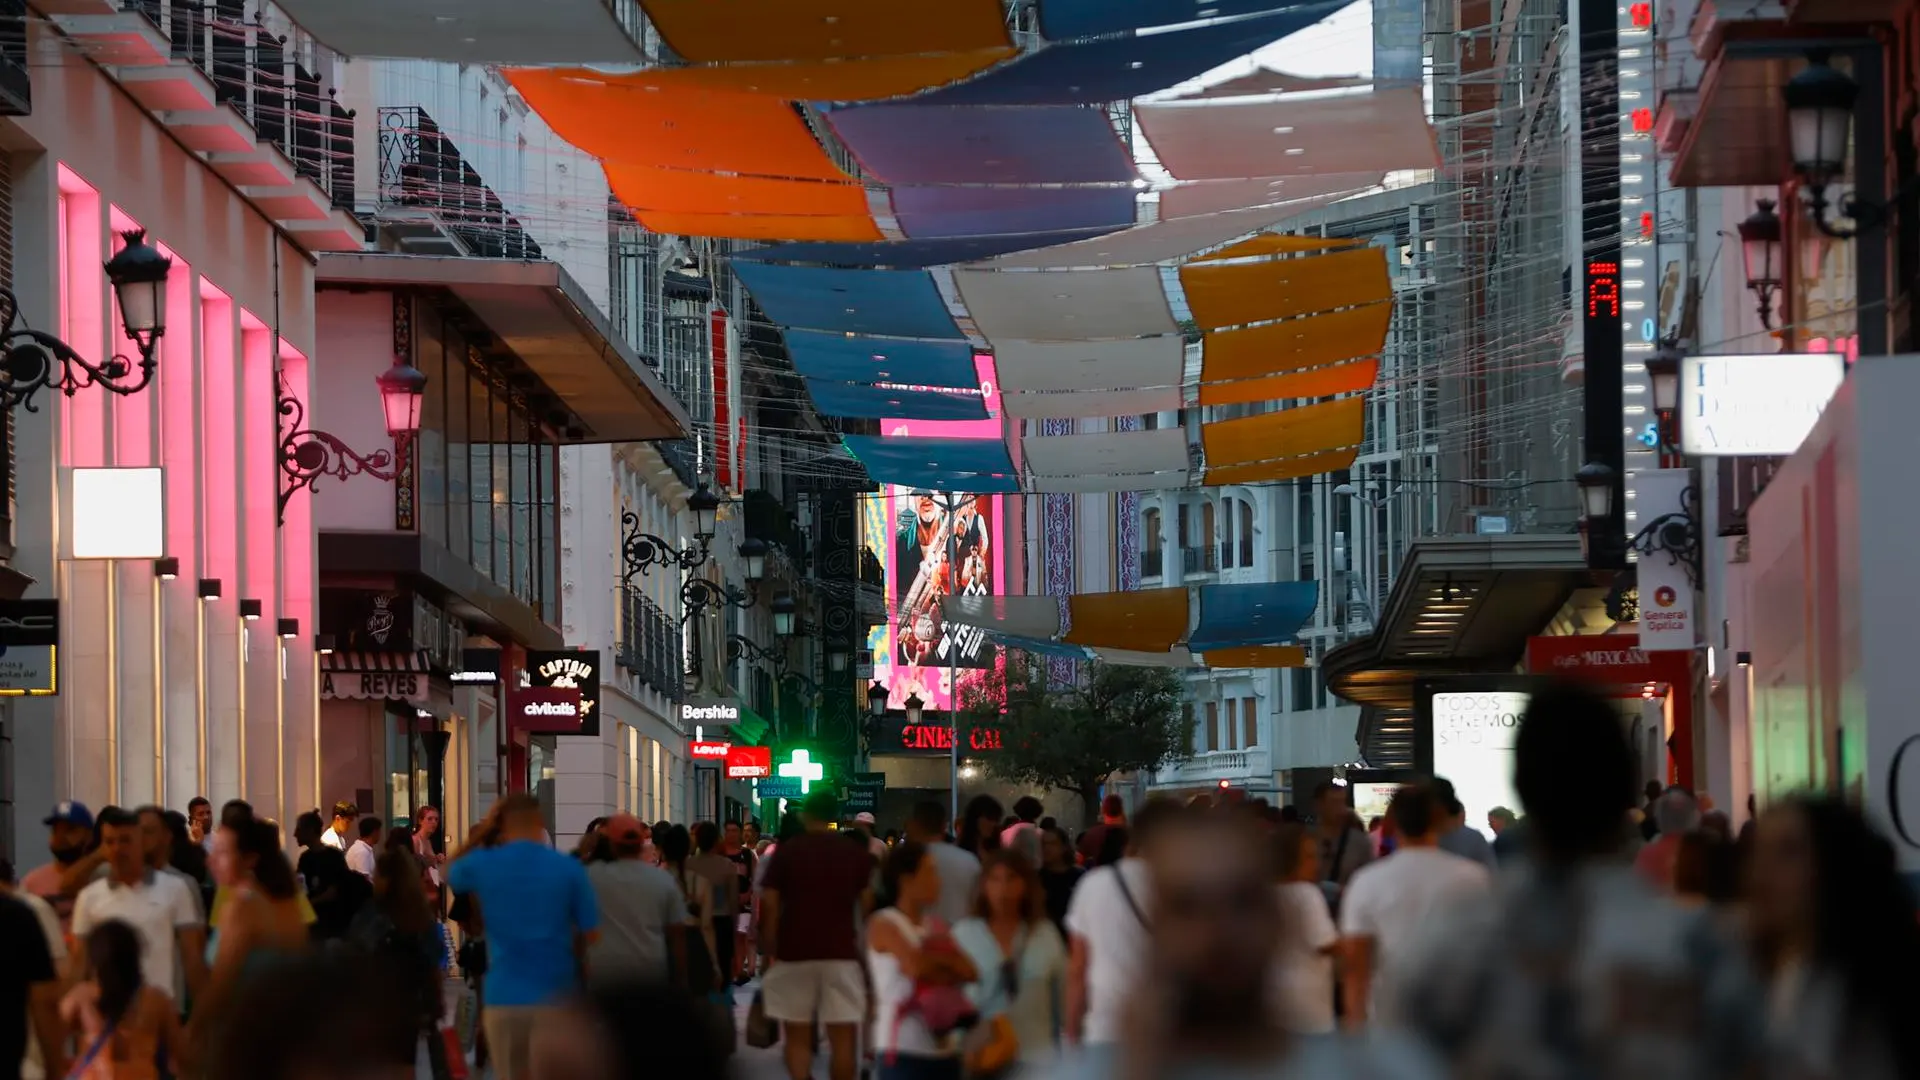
(73, 813)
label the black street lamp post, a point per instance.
(31, 360)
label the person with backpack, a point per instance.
(396, 928)
(919, 974)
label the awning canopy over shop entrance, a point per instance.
(1461, 606)
(544, 317)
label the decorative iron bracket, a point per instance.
(1676, 535)
(699, 594)
(642, 551)
(32, 360)
(306, 455)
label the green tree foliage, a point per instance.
(1071, 738)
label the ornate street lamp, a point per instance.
(753, 551)
(1762, 257)
(307, 454)
(33, 359)
(1820, 103)
(877, 698)
(1663, 371)
(699, 593)
(1596, 481)
(642, 551)
(915, 709)
(783, 608)
(837, 657)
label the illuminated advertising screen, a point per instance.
(913, 532)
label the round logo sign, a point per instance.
(1665, 596)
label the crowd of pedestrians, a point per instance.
(1603, 933)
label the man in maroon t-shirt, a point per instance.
(816, 890)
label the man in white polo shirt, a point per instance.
(159, 907)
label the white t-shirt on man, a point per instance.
(1302, 978)
(959, 878)
(1116, 943)
(1397, 899)
(157, 909)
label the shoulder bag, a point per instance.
(991, 1046)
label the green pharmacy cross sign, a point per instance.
(803, 768)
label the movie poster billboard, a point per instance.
(913, 532)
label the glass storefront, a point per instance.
(489, 475)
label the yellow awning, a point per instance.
(763, 226)
(1257, 656)
(1267, 472)
(1295, 344)
(1147, 620)
(1288, 433)
(1233, 294)
(1320, 382)
(711, 31)
(867, 78)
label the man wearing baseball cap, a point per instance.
(641, 909)
(69, 838)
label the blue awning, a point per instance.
(888, 303)
(859, 359)
(893, 402)
(916, 254)
(1064, 20)
(1266, 613)
(983, 211)
(912, 143)
(1043, 647)
(1119, 69)
(964, 465)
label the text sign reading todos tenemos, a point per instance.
(1760, 405)
(1473, 736)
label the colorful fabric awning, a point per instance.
(971, 466)
(1070, 305)
(1318, 133)
(1233, 621)
(964, 144)
(708, 31)
(1238, 293)
(885, 303)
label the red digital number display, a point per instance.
(1646, 223)
(1603, 289)
(1641, 14)
(1642, 120)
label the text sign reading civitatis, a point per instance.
(1473, 747)
(1760, 405)
(547, 709)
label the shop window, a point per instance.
(1233, 716)
(1213, 725)
(1250, 717)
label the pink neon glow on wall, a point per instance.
(83, 304)
(133, 441)
(931, 681)
(219, 368)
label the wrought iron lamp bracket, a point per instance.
(306, 454)
(642, 551)
(699, 594)
(32, 360)
(1675, 535)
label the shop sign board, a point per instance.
(1473, 734)
(899, 737)
(478, 667)
(1754, 405)
(708, 751)
(749, 762)
(570, 669)
(1667, 597)
(862, 794)
(547, 709)
(409, 686)
(779, 787)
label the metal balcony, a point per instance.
(434, 201)
(1200, 560)
(1152, 562)
(651, 645)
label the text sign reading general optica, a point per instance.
(1759, 405)
(1473, 747)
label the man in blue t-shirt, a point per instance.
(540, 917)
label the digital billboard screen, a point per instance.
(912, 532)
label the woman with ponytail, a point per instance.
(128, 1030)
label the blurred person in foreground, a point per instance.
(641, 910)
(1833, 925)
(959, 869)
(1576, 967)
(541, 918)
(1058, 874)
(1113, 815)
(261, 927)
(129, 1029)
(1675, 814)
(625, 1031)
(293, 1024)
(1455, 833)
(1019, 957)
(1303, 962)
(1108, 932)
(1203, 1008)
(31, 1036)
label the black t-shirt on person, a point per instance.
(28, 964)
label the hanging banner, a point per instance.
(1667, 602)
(570, 669)
(546, 709)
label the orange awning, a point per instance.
(869, 78)
(1256, 656)
(851, 230)
(1316, 382)
(1233, 294)
(1307, 429)
(1275, 244)
(676, 191)
(1147, 620)
(1267, 472)
(1295, 344)
(664, 120)
(712, 31)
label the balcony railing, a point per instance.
(1152, 562)
(16, 87)
(253, 69)
(650, 644)
(1219, 765)
(421, 167)
(1200, 560)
